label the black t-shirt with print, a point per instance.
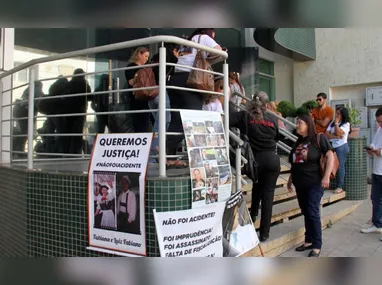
(305, 161)
(263, 135)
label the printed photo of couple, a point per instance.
(116, 202)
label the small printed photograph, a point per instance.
(200, 140)
(128, 206)
(238, 231)
(199, 127)
(212, 182)
(221, 155)
(212, 195)
(195, 158)
(199, 195)
(220, 140)
(190, 140)
(208, 154)
(218, 127)
(198, 177)
(105, 201)
(210, 127)
(211, 167)
(212, 140)
(224, 175)
(188, 127)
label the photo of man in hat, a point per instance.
(126, 207)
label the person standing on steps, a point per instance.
(263, 134)
(375, 150)
(323, 114)
(307, 179)
(337, 133)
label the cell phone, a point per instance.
(368, 148)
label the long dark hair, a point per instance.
(312, 133)
(202, 31)
(258, 106)
(345, 117)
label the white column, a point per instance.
(6, 49)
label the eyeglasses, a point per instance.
(318, 100)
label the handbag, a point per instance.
(251, 167)
(200, 79)
(324, 160)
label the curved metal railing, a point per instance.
(31, 65)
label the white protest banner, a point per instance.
(116, 191)
(210, 170)
(239, 233)
(195, 232)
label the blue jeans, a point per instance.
(376, 199)
(342, 154)
(309, 200)
(154, 104)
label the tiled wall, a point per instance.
(45, 214)
(13, 206)
(345, 56)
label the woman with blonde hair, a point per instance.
(141, 121)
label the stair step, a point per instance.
(287, 235)
(280, 194)
(283, 211)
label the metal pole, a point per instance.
(1, 121)
(162, 111)
(118, 94)
(226, 102)
(32, 79)
(238, 168)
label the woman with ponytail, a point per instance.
(263, 134)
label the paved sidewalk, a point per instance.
(344, 238)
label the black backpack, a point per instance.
(251, 167)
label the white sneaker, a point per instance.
(372, 229)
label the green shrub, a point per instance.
(310, 104)
(301, 111)
(286, 108)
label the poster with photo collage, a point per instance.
(211, 176)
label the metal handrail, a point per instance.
(268, 111)
(32, 64)
(115, 46)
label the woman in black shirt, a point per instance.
(263, 134)
(308, 181)
(142, 120)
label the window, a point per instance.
(267, 78)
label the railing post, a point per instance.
(1, 120)
(238, 168)
(226, 101)
(162, 112)
(32, 79)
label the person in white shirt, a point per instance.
(337, 133)
(375, 150)
(126, 207)
(236, 88)
(182, 99)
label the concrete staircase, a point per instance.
(287, 228)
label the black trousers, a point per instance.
(180, 99)
(141, 121)
(309, 200)
(264, 189)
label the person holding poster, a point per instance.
(263, 133)
(126, 207)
